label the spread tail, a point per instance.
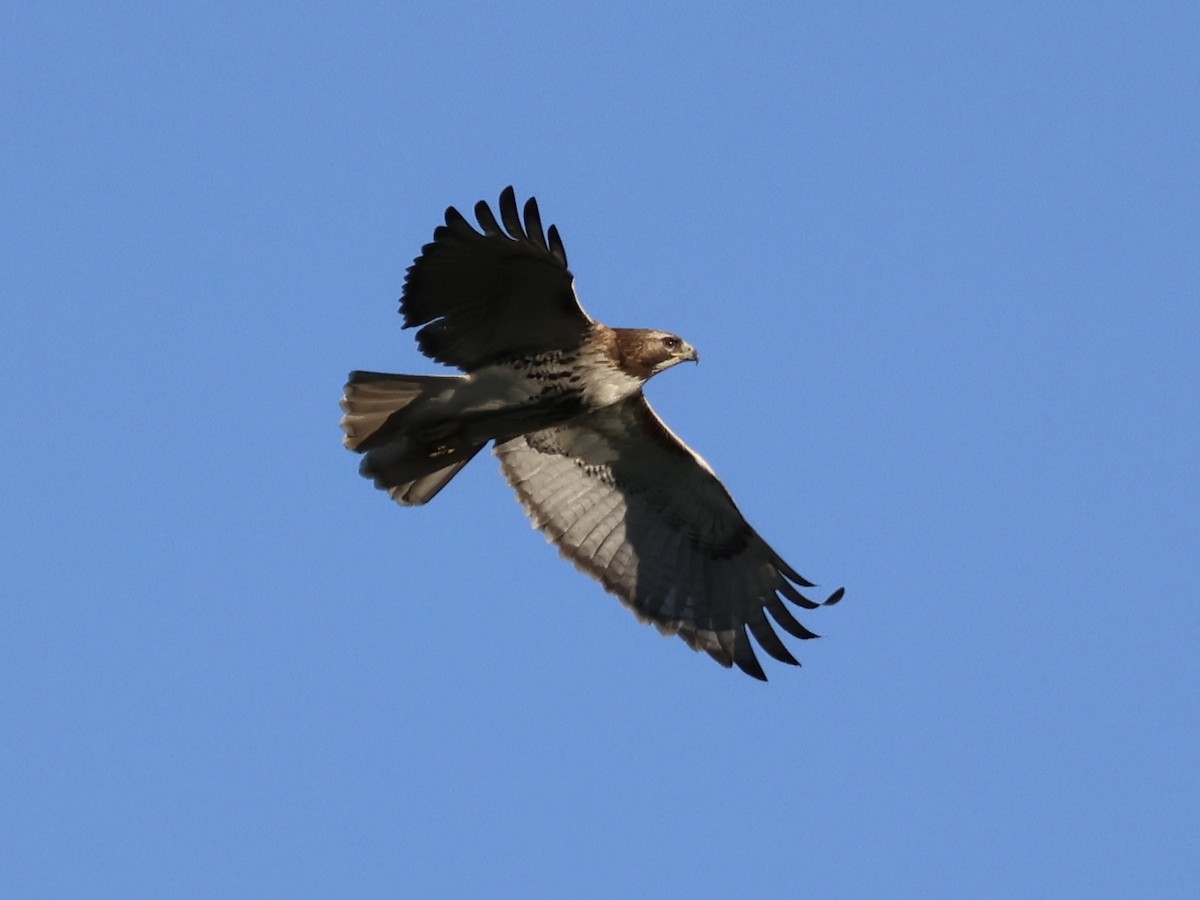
(412, 471)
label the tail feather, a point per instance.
(421, 489)
(410, 470)
(371, 398)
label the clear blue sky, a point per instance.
(942, 263)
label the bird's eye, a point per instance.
(671, 343)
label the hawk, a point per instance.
(559, 395)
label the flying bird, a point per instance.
(559, 395)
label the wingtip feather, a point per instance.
(533, 224)
(509, 214)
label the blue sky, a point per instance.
(942, 263)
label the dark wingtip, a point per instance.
(487, 221)
(455, 221)
(787, 621)
(556, 245)
(743, 653)
(509, 214)
(533, 224)
(768, 639)
(756, 673)
(835, 597)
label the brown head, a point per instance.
(644, 352)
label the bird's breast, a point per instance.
(605, 384)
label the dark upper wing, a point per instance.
(633, 506)
(481, 297)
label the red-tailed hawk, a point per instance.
(561, 396)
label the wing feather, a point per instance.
(602, 559)
(571, 494)
(482, 296)
(630, 504)
(509, 214)
(557, 250)
(658, 561)
(768, 639)
(785, 620)
(743, 655)
(592, 527)
(487, 221)
(533, 224)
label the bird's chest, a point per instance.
(609, 388)
(604, 384)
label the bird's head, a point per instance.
(676, 350)
(644, 352)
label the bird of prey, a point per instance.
(560, 397)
